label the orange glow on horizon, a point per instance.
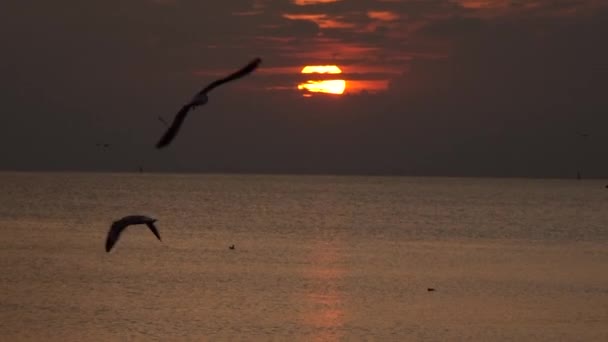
(322, 20)
(483, 4)
(323, 86)
(383, 15)
(327, 83)
(327, 86)
(312, 2)
(321, 69)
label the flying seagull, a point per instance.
(200, 99)
(120, 225)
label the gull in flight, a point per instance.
(200, 99)
(120, 225)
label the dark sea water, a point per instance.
(317, 258)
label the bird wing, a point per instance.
(247, 69)
(153, 229)
(174, 128)
(114, 233)
(181, 115)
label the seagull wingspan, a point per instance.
(247, 69)
(153, 229)
(175, 126)
(114, 233)
(181, 115)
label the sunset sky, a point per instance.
(437, 87)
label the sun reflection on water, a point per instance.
(325, 312)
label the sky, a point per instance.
(506, 88)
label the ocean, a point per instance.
(316, 258)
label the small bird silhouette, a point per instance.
(120, 225)
(231, 247)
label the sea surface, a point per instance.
(316, 258)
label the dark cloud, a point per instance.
(519, 91)
(453, 27)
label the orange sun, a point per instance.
(323, 86)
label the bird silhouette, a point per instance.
(200, 99)
(120, 225)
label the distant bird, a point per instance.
(231, 247)
(430, 289)
(118, 226)
(104, 145)
(200, 99)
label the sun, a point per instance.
(328, 86)
(332, 86)
(321, 69)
